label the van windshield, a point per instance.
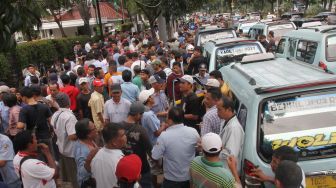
(280, 30)
(214, 35)
(235, 53)
(331, 48)
(306, 122)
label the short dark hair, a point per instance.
(26, 92)
(126, 75)
(165, 61)
(112, 63)
(82, 128)
(177, 64)
(22, 140)
(81, 71)
(34, 80)
(9, 99)
(289, 174)
(122, 60)
(228, 103)
(65, 78)
(67, 66)
(36, 90)
(96, 71)
(211, 154)
(137, 69)
(176, 115)
(92, 66)
(216, 74)
(215, 93)
(111, 131)
(286, 153)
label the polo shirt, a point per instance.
(211, 122)
(151, 123)
(210, 174)
(116, 112)
(130, 91)
(169, 146)
(96, 103)
(63, 122)
(160, 103)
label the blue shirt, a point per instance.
(130, 91)
(177, 146)
(161, 104)
(152, 124)
(122, 68)
(7, 154)
(4, 110)
(116, 57)
(81, 153)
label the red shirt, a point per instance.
(72, 92)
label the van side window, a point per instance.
(281, 46)
(306, 51)
(240, 110)
(292, 47)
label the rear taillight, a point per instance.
(248, 166)
(323, 66)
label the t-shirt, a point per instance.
(103, 167)
(82, 103)
(137, 81)
(191, 105)
(138, 143)
(96, 103)
(28, 115)
(35, 173)
(72, 92)
(162, 74)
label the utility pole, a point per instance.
(100, 22)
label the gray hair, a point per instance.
(62, 100)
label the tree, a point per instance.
(17, 15)
(84, 11)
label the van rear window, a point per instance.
(205, 37)
(331, 48)
(306, 122)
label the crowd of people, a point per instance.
(121, 112)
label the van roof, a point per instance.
(220, 42)
(213, 29)
(311, 33)
(278, 75)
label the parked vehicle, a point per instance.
(324, 15)
(280, 102)
(204, 35)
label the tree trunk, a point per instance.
(151, 24)
(162, 28)
(307, 4)
(325, 4)
(330, 5)
(84, 11)
(57, 20)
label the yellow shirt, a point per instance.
(108, 76)
(225, 89)
(96, 103)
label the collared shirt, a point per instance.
(4, 112)
(81, 151)
(161, 103)
(210, 174)
(116, 112)
(130, 91)
(14, 112)
(203, 79)
(151, 123)
(96, 103)
(211, 122)
(175, 162)
(232, 135)
(64, 122)
(137, 81)
(90, 78)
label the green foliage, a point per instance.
(126, 26)
(5, 68)
(64, 46)
(313, 10)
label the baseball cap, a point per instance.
(156, 79)
(202, 67)
(129, 168)
(98, 83)
(190, 47)
(211, 143)
(4, 89)
(156, 62)
(212, 82)
(115, 88)
(82, 80)
(145, 94)
(186, 78)
(137, 108)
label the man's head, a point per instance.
(156, 64)
(81, 71)
(116, 92)
(145, 97)
(122, 60)
(25, 141)
(178, 57)
(54, 89)
(283, 153)
(177, 68)
(36, 90)
(136, 111)
(98, 85)
(225, 108)
(31, 68)
(156, 81)
(26, 93)
(212, 97)
(262, 38)
(212, 84)
(216, 74)
(127, 76)
(4, 89)
(112, 66)
(67, 66)
(186, 83)
(202, 68)
(114, 136)
(198, 51)
(91, 69)
(85, 129)
(65, 79)
(98, 73)
(62, 100)
(175, 116)
(288, 175)
(83, 84)
(144, 74)
(9, 99)
(164, 62)
(136, 69)
(211, 144)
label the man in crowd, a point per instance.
(4, 110)
(177, 73)
(83, 99)
(156, 64)
(288, 175)
(137, 78)
(54, 90)
(112, 77)
(195, 60)
(31, 72)
(122, 61)
(96, 103)
(34, 172)
(211, 122)
(202, 74)
(130, 91)
(225, 89)
(90, 76)
(117, 108)
(63, 122)
(145, 75)
(71, 91)
(176, 163)
(161, 105)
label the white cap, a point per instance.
(212, 82)
(4, 89)
(186, 78)
(145, 94)
(211, 143)
(190, 47)
(83, 80)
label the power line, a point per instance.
(149, 6)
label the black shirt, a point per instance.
(195, 63)
(162, 74)
(36, 116)
(82, 102)
(138, 143)
(191, 105)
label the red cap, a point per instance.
(129, 168)
(97, 83)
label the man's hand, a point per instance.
(259, 174)
(44, 149)
(232, 163)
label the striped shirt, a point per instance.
(211, 122)
(204, 173)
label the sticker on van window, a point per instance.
(238, 50)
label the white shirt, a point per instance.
(105, 65)
(103, 167)
(116, 113)
(140, 63)
(64, 122)
(168, 71)
(35, 173)
(87, 47)
(98, 63)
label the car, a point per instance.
(245, 26)
(307, 22)
(281, 102)
(324, 15)
(313, 45)
(204, 35)
(222, 52)
(291, 15)
(278, 27)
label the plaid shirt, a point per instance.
(211, 122)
